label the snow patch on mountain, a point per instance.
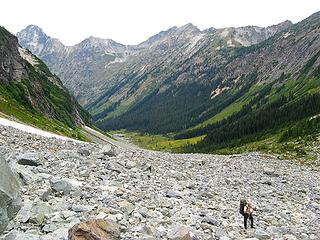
(32, 130)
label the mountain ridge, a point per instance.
(56, 59)
(31, 93)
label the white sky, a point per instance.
(133, 21)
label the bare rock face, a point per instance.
(99, 229)
(10, 201)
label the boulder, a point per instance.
(109, 150)
(26, 175)
(81, 208)
(211, 220)
(16, 235)
(29, 159)
(83, 152)
(10, 201)
(38, 213)
(25, 212)
(64, 185)
(99, 229)
(126, 207)
(179, 232)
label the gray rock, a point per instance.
(179, 232)
(10, 201)
(59, 234)
(211, 220)
(25, 174)
(38, 213)
(64, 185)
(172, 194)
(29, 159)
(45, 194)
(16, 235)
(84, 152)
(81, 208)
(224, 238)
(289, 237)
(261, 234)
(109, 150)
(24, 214)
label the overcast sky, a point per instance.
(133, 21)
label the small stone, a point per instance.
(172, 194)
(261, 234)
(211, 220)
(126, 207)
(67, 214)
(81, 208)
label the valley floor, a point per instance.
(156, 195)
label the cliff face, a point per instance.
(26, 82)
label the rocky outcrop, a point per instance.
(10, 201)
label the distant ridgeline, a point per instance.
(32, 94)
(235, 85)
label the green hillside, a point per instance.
(30, 93)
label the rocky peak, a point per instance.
(151, 40)
(209, 30)
(271, 30)
(100, 44)
(249, 35)
(189, 28)
(33, 38)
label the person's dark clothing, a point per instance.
(246, 216)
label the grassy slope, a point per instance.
(158, 142)
(10, 107)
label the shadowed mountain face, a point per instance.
(96, 66)
(28, 89)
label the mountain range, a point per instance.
(193, 83)
(94, 66)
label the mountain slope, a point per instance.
(97, 70)
(31, 93)
(173, 92)
(78, 66)
(281, 78)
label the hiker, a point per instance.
(246, 209)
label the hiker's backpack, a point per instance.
(242, 205)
